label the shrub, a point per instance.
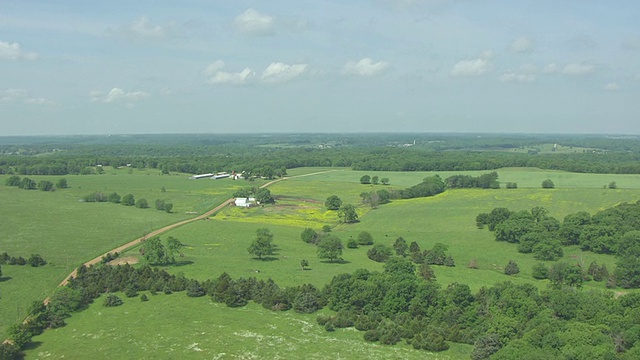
(36, 260)
(352, 244)
(511, 268)
(548, 184)
(144, 297)
(131, 292)
(511, 185)
(112, 300)
(142, 203)
(365, 238)
(540, 271)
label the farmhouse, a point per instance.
(201, 176)
(246, 202)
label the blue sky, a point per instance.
(195, 66)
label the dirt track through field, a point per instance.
(135, 242)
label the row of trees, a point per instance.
(34, 260)
(29, 184)
(375, 180)
(128, 200)
(484, 181)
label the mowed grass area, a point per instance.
(67, 232)
(179, 327)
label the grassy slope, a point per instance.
(208, 330)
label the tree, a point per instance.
(156, 253)
(114, 198)
(565, 274)
(379, 253)
(333, 203)
(309, 236)
(613, 185)
(36, 260)
(262, 244)
(168, 207)
(27, 184)
(365, 238)
(330, 247)
(426, 272)
(263, 195)
(112, 300)
(304, 264)
(365, 179)
(511, 268)
(384, 181)
(375, 179)
(548, 184)
(128, 200)
(45, 185)
(13, 181)
(347, 213)
(511, 185)
(142, 203)
(352, 243)
(401, 247)
(540, 271)
(159, 204)
(326, 229)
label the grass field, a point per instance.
(178, 327)
(67, 232)
(220, 244)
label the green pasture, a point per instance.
(68, 232)
(220, 244)
(178, 327)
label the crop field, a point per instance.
(220, 243)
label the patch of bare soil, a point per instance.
(124, 260)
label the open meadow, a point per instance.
(67, 232)
(219, 244)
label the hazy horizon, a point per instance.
(366, 66)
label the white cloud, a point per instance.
(252, 22)
(142, 30)
(280, 72)
(473, 67)
(215, 75)
(11, 95)
(550, 69)
(521, 45)
(20, 95)
(213, 68)
(612, 86)
(40, 101)
(511, 76)
(238, 78)
(13, 51)
(578, 69)
(117, 95)
(365, 67)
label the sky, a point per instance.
(335, 66)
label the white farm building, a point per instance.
(245, 202)
(201, 176)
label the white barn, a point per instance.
(245, 202)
